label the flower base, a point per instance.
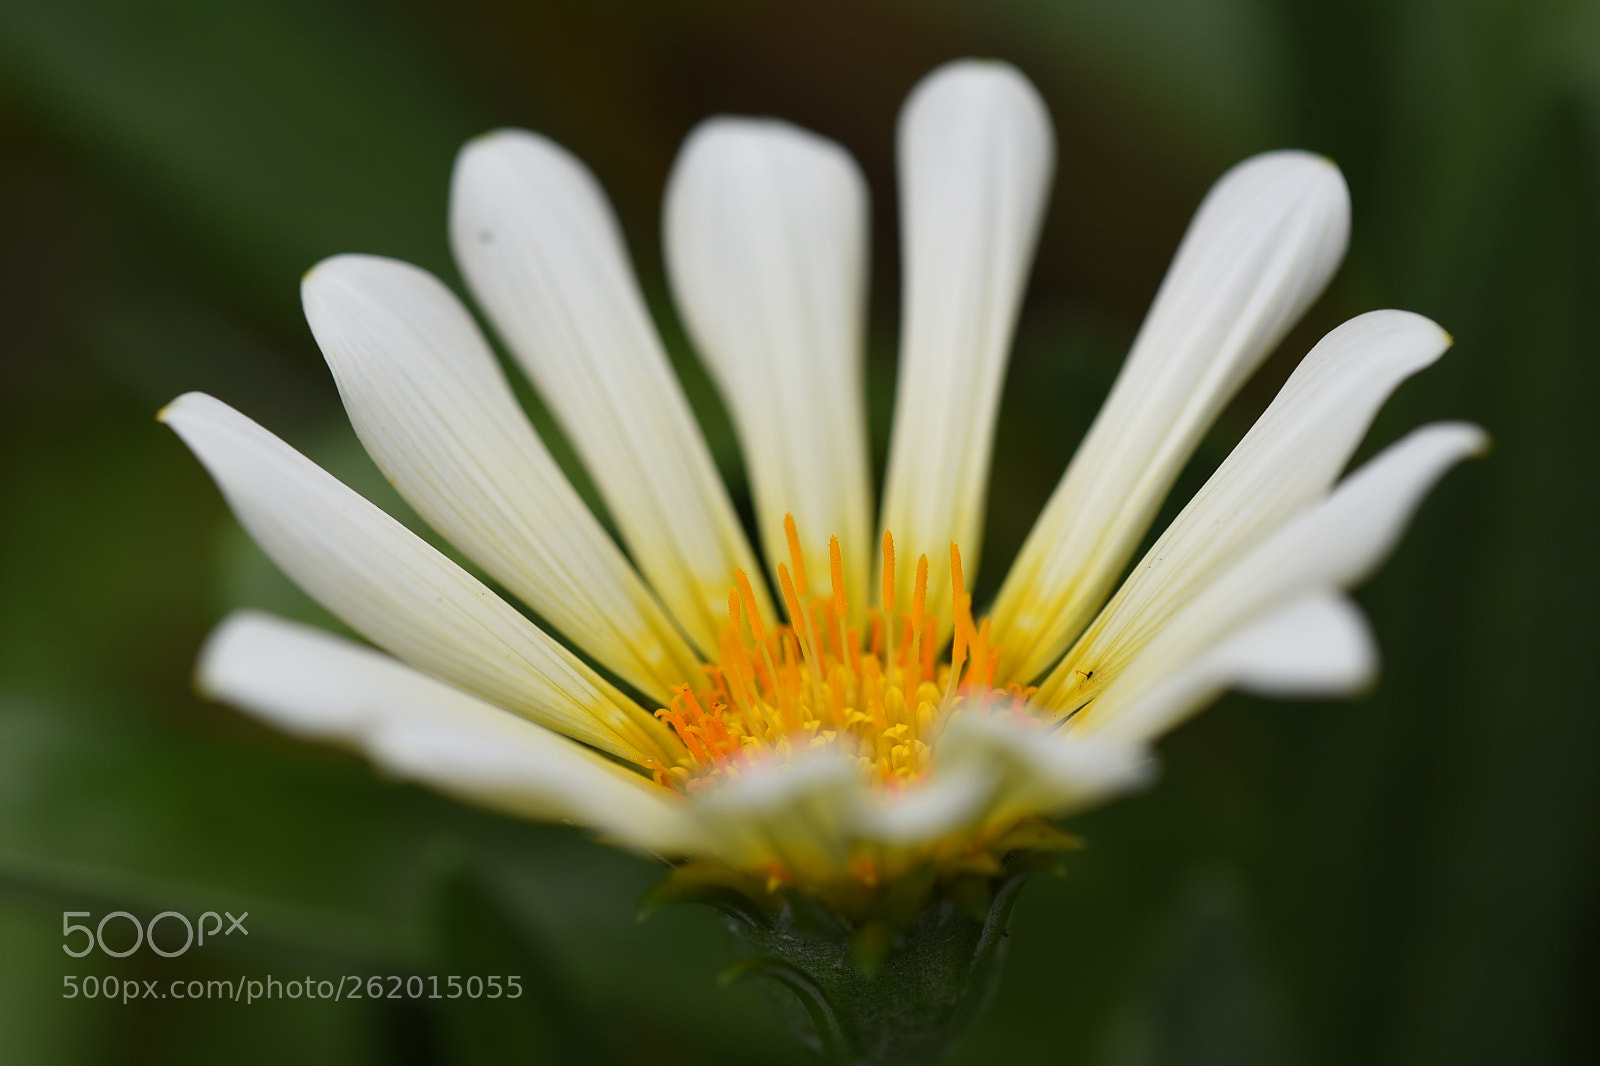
(872, 993)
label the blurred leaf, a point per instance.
(1218, 70)
(156, 337)
(1201, 1000)
(540, 1023)
(105, 806)
(270, 132)
(36, 1025)
(40, 1027)
(98, 547)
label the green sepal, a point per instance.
(876, 992)
(830, 1038)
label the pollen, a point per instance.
(881, 695)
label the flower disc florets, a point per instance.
(881, 695)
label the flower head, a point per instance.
(843, 722)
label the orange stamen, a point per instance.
(958, 595)
(888, 572)
(836, 574)
(796, 559)
(919, 595)
(890, 644)
(797, 617)
(748, 595)
(925, 646)
(982, 662)
(836, 577)
(958, 654)
(802, 622)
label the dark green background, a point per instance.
(1409, 878)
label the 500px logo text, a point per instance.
(145, 934)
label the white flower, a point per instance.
(831, 746)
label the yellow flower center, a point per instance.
(881, 696)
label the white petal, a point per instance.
(1282, 467)
(1334, 545)
(539, 247)
(400, 593)
(813, 815)
(1033, 771)
(432, 407)
(950, 801)
(766, 247)
(976, 156)
(799, 813)
(317, 685)
(1263, 244)
(1317, 645)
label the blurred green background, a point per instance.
(1408, 878)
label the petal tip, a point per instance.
(322, 272)
(181, 405)
(977, 70)
(1461, 439)
(496, 143)
(500, 135)
(1310, 178)
(361, 272)
(1484, 444)
(987, 83)
(740, 141)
